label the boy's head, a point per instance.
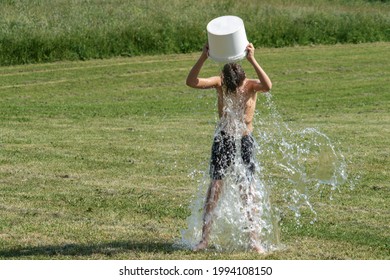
(232, 75)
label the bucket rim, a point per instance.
(229, 59)
(238, 27)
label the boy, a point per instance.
(236, 107)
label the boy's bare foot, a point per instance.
(258, 248)
(201, 246)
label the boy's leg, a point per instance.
(247, 194)
(247, 201)
(212, 198)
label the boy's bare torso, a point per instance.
(242, 105)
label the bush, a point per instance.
(50, 30)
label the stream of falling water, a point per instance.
(291, 167)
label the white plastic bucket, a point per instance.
(227, 39)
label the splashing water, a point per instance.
(291, 167)
(298, 164)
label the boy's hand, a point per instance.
(205, 52)
(250, 55)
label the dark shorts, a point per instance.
(224, 151)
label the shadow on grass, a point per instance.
(78, 250)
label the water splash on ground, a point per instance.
(292, 166)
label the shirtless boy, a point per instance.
(242, 93)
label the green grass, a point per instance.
(95, 156)
(53, 30)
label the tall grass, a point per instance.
(50, 30)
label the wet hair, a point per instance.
(232, 76)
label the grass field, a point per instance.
(95, 156)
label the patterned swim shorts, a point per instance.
(224, 150)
